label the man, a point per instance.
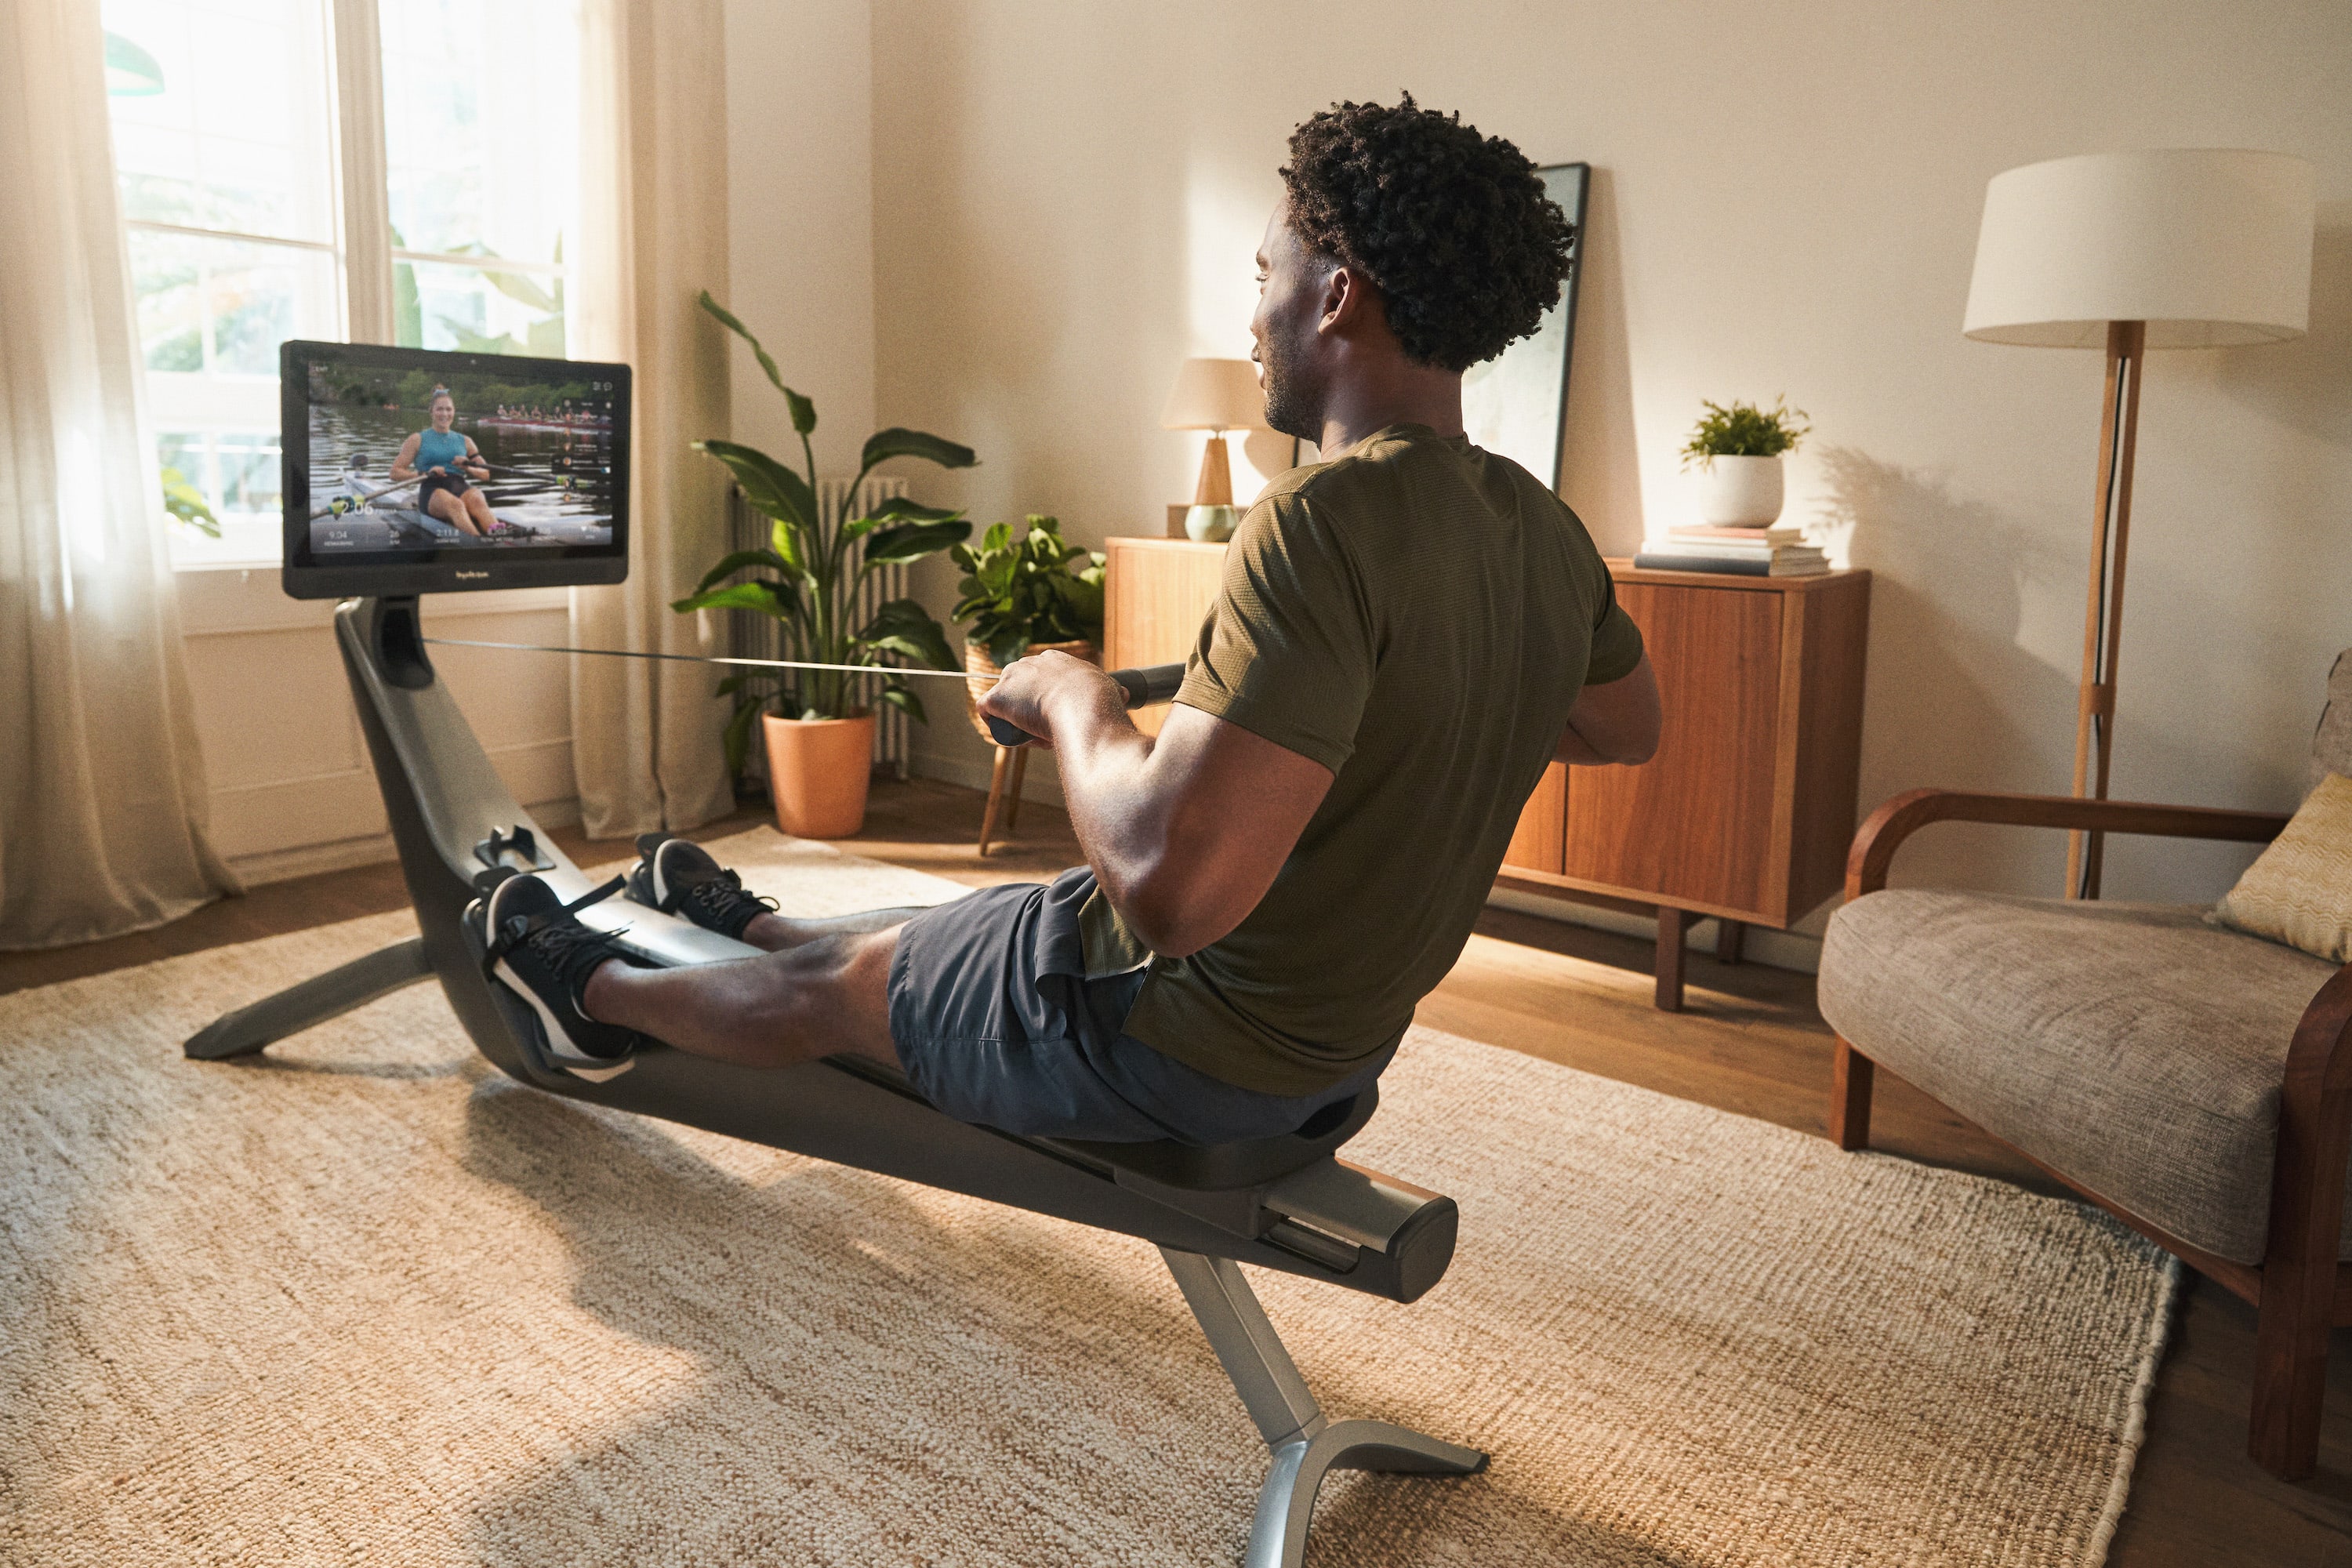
(1406, 635)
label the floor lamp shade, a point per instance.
(2186, 247)
(2210, 247)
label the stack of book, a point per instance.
(1742, 552)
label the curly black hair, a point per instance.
(1452, 227)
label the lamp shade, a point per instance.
(1216, 394)
(2210, 247)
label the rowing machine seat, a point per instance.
(1222, 1167)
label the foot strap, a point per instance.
(503, 942)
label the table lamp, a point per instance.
(1215, 395)
(2192, 248)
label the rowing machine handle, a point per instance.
(1143, 687)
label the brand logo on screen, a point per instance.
(464, 576)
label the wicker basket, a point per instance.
(981, 672)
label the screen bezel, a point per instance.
(442, 569)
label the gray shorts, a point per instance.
(995, 1022)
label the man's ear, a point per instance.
(1348, 294)
(1336, 308)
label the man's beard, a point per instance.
(1291, 408)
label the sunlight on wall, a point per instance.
(1224, 221)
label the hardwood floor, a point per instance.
(1750, 1042)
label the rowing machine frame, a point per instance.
(452, 818)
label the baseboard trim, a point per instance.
(1775, 949)
(267, 866)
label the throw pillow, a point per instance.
(2300, 890)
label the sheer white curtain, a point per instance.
(102, 799)
(645, 733)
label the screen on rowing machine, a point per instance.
(416, 471)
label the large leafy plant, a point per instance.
(1744, 430)
(807, 582)
(1030, 590)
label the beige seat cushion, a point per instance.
(2299, 890)
(2133, 1047)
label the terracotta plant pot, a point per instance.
(818, 774)
(981, 672)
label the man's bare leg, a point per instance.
(825, 995)
(775, 933)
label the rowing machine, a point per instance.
(1278, 1203)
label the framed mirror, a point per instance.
(1516, 402)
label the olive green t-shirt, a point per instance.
(1418, 617)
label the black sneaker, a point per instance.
(678, 877)
(544, 952)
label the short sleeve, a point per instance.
(1289, 652)
(1616, 640)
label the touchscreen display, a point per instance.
(461, 464)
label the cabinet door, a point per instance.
(1696, 821)
(1156, 592)
(1540, 840)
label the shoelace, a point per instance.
(724, 894)
(555, 933)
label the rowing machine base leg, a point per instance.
(1306, 1446)
(313, 1001)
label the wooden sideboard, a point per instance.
(1746, 811)
(1155, 593)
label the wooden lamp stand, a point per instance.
(2170, 247)
(1216, 486)
(2103, 612)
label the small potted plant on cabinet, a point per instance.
(1033, 595)
(1738, 453)
(818, 727)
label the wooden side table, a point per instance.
(1746, 811)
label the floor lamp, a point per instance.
(2197, 247)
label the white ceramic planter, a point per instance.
(1740, 493)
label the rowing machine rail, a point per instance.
(1289, 1204)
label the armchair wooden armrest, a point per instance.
(1906, 814)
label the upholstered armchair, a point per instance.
(2194, 1081)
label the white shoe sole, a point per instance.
(559, 1051)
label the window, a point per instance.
(482, 171)
(240, 205)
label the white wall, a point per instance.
(1786, 201)
(800, 242)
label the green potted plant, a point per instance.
(1025, 595)
(1737, 452)
(818, 726)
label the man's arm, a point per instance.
(1618, 723)
(1185, 833)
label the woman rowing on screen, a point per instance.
(450, 464)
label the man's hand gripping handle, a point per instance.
(1143, 687)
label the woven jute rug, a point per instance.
(366, 1300)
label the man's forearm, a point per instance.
(1105, 765)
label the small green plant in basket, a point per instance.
(1744, 430)
(1031, 590)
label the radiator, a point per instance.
(748, 636)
